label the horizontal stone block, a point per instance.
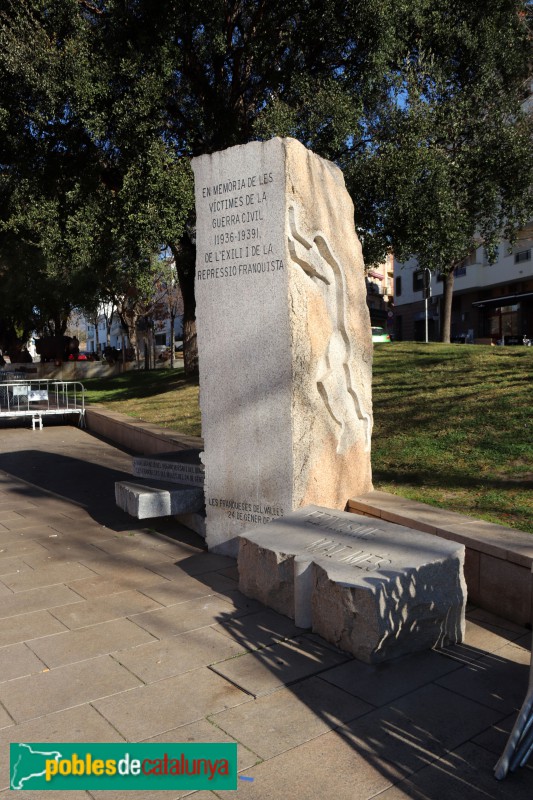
(375, 589)
(144, 501)
(182, 466)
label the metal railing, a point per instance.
(35, 398)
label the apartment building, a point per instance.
(491, 303)
(380, 293)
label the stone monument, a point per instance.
(284, 337)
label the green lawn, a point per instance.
(453, 428)
(452, 423)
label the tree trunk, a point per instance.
(172, 341)
(185, 257)
(446, 321)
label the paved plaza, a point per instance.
(114, 630)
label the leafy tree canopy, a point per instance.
(103, 102)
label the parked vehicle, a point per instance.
(380, 335)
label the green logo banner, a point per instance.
(168, 765)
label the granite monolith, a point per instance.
(284, 337)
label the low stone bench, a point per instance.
(373, 588)
(144, 501)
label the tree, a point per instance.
(450, 164)
(104, 102)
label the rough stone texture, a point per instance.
(179, 467)
(283, 337)
(143, 501)
(377, 590)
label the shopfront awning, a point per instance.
(508, 300)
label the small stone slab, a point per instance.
(144, 501)
(373, 588)
(183, 466)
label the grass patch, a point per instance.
(452, 423)
(161, 396)
(453, 428)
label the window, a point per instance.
(418, 281)
(460, 271)
(523, 255)
(399, 286)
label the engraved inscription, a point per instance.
(257, 513)
(330, 522)
(346, 554)
(237, 211)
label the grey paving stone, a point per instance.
(64, 687)
(20, 524)
(86, 531)
(161, 706)
(37, 599)
(14, 503)
(488, 638)
(17, 660)
(135, 545)
(102, 585)
(329, 766)
(498, 680)
(112, 567)
(90, 612)
(495, 738)
(8, 566)
(48, 794)
(281, 664)
(60, 553)
(260, 629)
(146, 794)
(20, 547)
(134, 554)
(5, 719)
(80, 724)
(240, 602)
(28, 626)
(380, 683)
(168, 593)
(178, 654)
(418, 728)
(204, 731)
(8, 514)
(196, 564)
(185, 616)
(465, 774)
(289, 717)
(84, 643)
(364, 758)
(46, 576)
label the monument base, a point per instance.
(373, 588)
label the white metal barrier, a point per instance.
(40, 397)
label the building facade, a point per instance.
(491, 302)
(380, 294)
